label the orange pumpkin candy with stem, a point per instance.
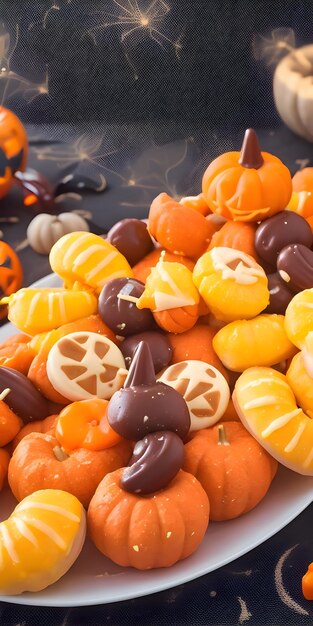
(4, 464)
(232, 467)
(178, 228)
(249, 185)
(39, 462)
(151, 531)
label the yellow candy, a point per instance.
(87, 259)
(267, 407)
(299, 317)
(247, 343)
(34, 310)
(300, 376)
(232, 284)
(40, 541)
(168, 286)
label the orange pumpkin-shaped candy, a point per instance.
(302, 180)
(179, 228)
(249, 185)
(4, 464)
(197, 203)
(39, 462)
(17, 353)
(10, 424)
(148, 531)
(143, 268)
(37, 373)
(13, 147)
(232, 467)
(196, 345)
(11, 272)
(238, 235)
(46, 426)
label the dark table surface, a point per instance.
(264, 586)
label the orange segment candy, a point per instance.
(87, 259)
(84, 424)
(231, 283)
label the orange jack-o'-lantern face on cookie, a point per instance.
(13, 148)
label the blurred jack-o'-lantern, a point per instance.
(13, 148)
(11, 274)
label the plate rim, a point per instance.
(153, 587)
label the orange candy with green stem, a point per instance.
(249, 185)
(84, 424)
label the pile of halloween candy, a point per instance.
(174, 365)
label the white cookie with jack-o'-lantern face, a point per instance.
(204, 389)
(85, 365)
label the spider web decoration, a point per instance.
(135, 21)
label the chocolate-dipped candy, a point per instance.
(23, 398)
(160, 348)
(131, 237)
(295, 267)
(278, 231)
(280, 294)
(145, 406)
(117, 307)
(155, 462)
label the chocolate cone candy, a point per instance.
(145, 406)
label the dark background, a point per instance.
(215, 83)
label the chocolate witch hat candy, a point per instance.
(145, 406)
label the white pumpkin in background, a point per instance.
(293, 90)
(45, 229)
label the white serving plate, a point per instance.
(93, 579)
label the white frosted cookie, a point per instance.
(85, 365)
(204, 389)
